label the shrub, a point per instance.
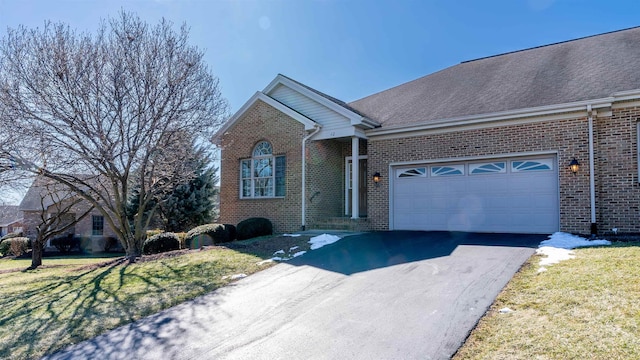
(209, 234)
(4, 247)
(154, 232)
(65, 244)
(254, 227)
(110, 243)
(233, 232)
(15, 246)
(160, 243)
(12, 235)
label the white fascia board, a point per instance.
(627, 95)
(339, 133)
(364, 123)
(540, 111)
(354, 118)
(308, 123)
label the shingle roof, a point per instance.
(43, 193)
(9, 214)
(587, 68)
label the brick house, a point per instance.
(10, 220)
(532, 141)
(41, 197)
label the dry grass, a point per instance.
(584, 308)
(73, 299)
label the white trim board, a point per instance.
(308, 123)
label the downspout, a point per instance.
(304, 175)
(592, 182)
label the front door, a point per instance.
(362, 193)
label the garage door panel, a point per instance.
(502, 201)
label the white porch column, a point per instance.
(355, 167)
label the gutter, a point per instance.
(546, 110)
(592, 185)
(304, 174)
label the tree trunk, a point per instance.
(133, 249)
(36, 254)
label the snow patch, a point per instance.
(558, 248)
(316, 243)
(235, 276)
(321, 240)
(568, 241)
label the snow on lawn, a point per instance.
(558, 248)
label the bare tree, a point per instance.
(58, 212)
(103, 113)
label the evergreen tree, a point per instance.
(187, 205)
(193, 203)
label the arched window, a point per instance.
(263, 175)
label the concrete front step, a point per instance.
(342, 223)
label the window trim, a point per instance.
(274, 160)
(487, 171)
(438, 170)
(541, 162)
(94, 229)
(420, 171)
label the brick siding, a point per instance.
(617, 187)
(83, 228)
(325, 183)
(262, 122)
(566, 137)
(616, 167)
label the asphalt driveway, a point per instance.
(387, 295)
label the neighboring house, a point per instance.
(42, 195)
(10, 220)
(486, 145)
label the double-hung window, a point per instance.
(97, 227)
(263, 175)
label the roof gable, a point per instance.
(310, 107)
(308, 123)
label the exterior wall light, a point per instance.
(574, 165)
(376, 178)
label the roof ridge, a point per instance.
(546, 45)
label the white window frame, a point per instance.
(475, 166)
(457, 167)
(548, 162)
(252, 178)
(420, 171)
(97, 230)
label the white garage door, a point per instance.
(518, 195)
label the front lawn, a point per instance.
(74, 299)
(583, 308)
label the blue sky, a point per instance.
(346, 48)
